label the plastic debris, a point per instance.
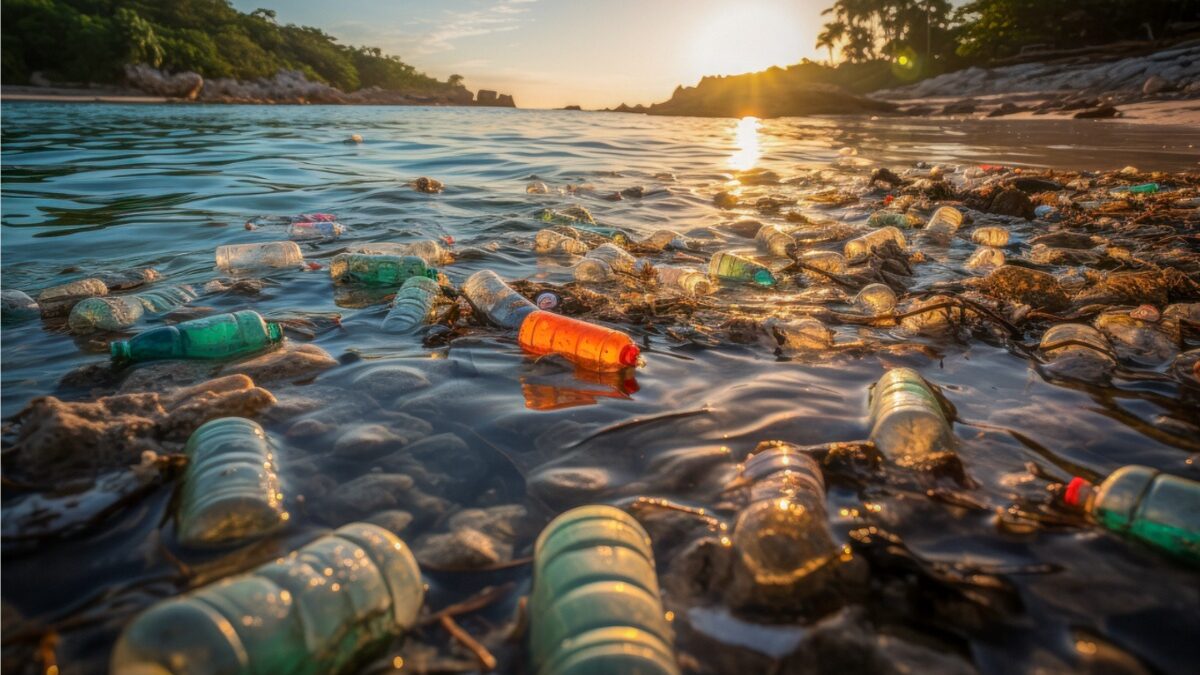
(584, 344)
(551, 241)
(686, 279)
(875, 299)
(868, 242)
(105, 314)
(985, 257)
(378, 269)
(1153, 507)
(222, 336)
(17, 306)
(605, 262)
(165, 298)
(496, 300)
(318, 229)
(775, 241)
(907, 421)
(990, 236)
(943, 225)
(247, 257)
(892, 219)
(733, 267)
(412, 305)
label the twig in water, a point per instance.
(486, 660)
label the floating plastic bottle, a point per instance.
(72, 292)
(875, 299)
(826, 261)
(734, 267)
(323, 609)
(106, 314)
(572, 216)
(17, 306)
(165, 298)
(944, 223)
(222, 336)
(1079, 343)
(1143, 189)
(127, 279)
(378, 270)
(907, 422)
(584, 344)
(595, 606)
(430, 250)
(685, 279)
(605, 262)
(617, 236)
(231, 489)
(870, 241)
(412, 305)
(496, 300)
(892, 219)
(990, 236)
(666, 239)
(782, 534)
(550, 241)
(775, 241)
(985, 257)
(315, 229)
(1154, 507)
(267, 255)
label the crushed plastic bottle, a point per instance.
(105, 314)
(496, 300)
(551, 241)
(863, 245)
(662, 240)
(775, 241)
(892, 219)
(686, 279)
(595, 606)
(165, 298)
(266, 255)
(315, 229)
(412, 305)
(826, 261)
(584, 344)
(985, 258)
(17, 306)
(324, 608)
(875, 300)
(378, 270)
(990, 236)
(733, 267)
(231, 490)
(943, 225)
(1140, 502)
(222, 336)
(907, 421)
(605, 262)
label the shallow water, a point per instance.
(101, 188)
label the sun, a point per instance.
(742, 38)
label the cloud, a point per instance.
(501, 16)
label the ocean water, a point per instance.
(96, 188)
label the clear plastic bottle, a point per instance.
(828, 261)
(875, 300)
(868, 242)
(412, 305)
(782, 534)
(1076, 340)
(378, 270)
(222, 336)
(666, 239)
(496, 300)
(429, 250)
(17, 306)
(605, 262)
(944, 223)
(686, 279)
(72, 292)
(892, 219)
(105, 314)
(572, 216)
(125, 280)
(595, 606)
(266, 255)
(550, 241)
(775, 241)
(1140, 502)
(231, 490)
(990, 236)
(907, 421)
(985, 258)
(315, 229)
(587, 345)
(733, 267)
(165, 298)
(323, 609)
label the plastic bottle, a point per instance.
(868, 242)
(73, 291)
(222, 336)
(891, 219)
(124, 280)
(990, 236)
(496, 300)
(875, 299)
(605, 262)
(550, 241)
(584, 344)
(775, 241)
(1143, 189)
(378, 270)
(429, 250)
(985, 257)
(685, 279)
(1076, 340)
(944, 223)
(231, 489)
(828, 261)
(165, 298)
(734, 267)
(595, 606)
(1154, 507)
(322, 609)
(412, 305)
(907, 421)
(666, 239)
(271, 254)
(617, 236)
(572, 216)
(782, 534)
(17, 306)
(315, 229)
(107, 313)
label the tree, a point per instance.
(455, 80)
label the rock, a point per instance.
(505, 101)
(485, 97)
(1050, 255)
(1011, 202)
(365, 441)
(1103, 112)
(387, 382)
(1127, 288)
(1155, 84)
(963, 107)
(309, 428)
(164, 376)
(571, 107)
(367, 495)
(230, 396)
(444, 453)
(59, 300)
(1026, 286)
(462, 549)
(186, 85)
(569, 486)
(394, 521)
(1144, 341)
(772, 93)
(1034, 185)
(292, 362)
(725, 200)
(427, 185)
(1006, 108)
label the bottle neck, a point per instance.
(121, 353)
(274, 331)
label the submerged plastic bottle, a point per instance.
(868, 242)
(165, 298)
(595, 606)
(496, 300)
(985, 257)
(990, 236)
(572, 216)
(412, 305)
(605, 262)
(617, 236)
(907, 422)
(665, 239)
(827, 261)
(891, 219)
(584, 344)
(222, 336)
(322, 609)
(271, 254)
(1154, 507)
(231, 489)
(550, 241)
(17, 306)
(315, 229)
(685, 279)
(105, 313)
(944, 223)
(775, 241)
(378, 270)
(734, 267)
(875, 299)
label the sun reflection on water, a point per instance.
(745, 136)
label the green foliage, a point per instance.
(92, 41)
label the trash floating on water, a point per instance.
(496, 300)
(537, 188)
(892, 219)
(907, 421)
(378, 269)
(551, 241)
(427, 185)
(775, 241)
(990, 236)
(863, 245)
(429, 250)
(17, 306)
(985, 257)
(105, 313)
(605, 262)
(221, 336)
(412, 305)
(688, 280)
(875, 300)
(1153, 507)
(248, 257)
(733, 267)
(58, 300)
(831, 262)
(318, 229)
(942, 225)
(1078, 351)
(584, 344)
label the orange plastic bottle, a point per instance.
(584, 344)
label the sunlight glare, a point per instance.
(745, 37)
(745, 137)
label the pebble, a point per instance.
(387, 382)
(569, 486)
(292, 362)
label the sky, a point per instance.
(551, 53)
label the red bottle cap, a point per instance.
(629, 355)
(1075, 491)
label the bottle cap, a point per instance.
(1076, 492)
(764, 278)
(630, 355)
(547, 300)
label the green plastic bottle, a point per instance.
(595, 605)
(734, 267)
(1157, 508)
(323, 609)
(223, 336)
(378, 270)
